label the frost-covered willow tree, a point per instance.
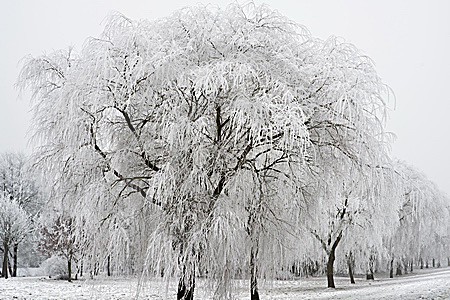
(348, 145)
(422, 231)
(363, 248)
(195, 121)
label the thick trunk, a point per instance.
(186, 289)
(254, 295)
(411, 266)
(426, 264)
(5, 260)
(109, 265)
(421, 262)
(14, 270)
(186, 286)
(330, 263)
(350, 270)
(69, 268)
(433, 263)
(330, 271)
(391, 269)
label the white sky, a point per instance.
(408, 40)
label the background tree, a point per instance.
(348, 143)
(58, 238)
(17, 181)
(14, 227)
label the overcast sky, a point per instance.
(408, 40)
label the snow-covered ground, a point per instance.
(423, 284)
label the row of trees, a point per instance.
(19, 203)
(22, 222)
(226, 143)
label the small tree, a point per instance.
(59, 239)
(14, 227)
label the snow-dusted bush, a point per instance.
(54, 266)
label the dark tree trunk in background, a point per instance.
(69, 268)
(81, 269)
(370, 276)
(350, 272)
(448, 261)
(5, 260)
(109, 265)
(254, 295)
(405, 266)
(433, 263)
(426, 264)
(9, 265)
(14, 270)
(350, 262)
(391, 269)
(411, 266)
(421, 263)
(399, 269)
(186, 287)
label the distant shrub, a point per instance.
(54, 266)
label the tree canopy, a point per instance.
(210, 141)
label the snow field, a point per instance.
(424, 284)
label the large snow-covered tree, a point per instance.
(188, 113)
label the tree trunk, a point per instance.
(433, 263)
(350, 271)
(69, 268)
(186, 288)
(426, 264)
(330, 263)
(369, 275)
(448, 261)
(405, 266)
(5, 260)
(254, 295)
(391, 269)
(421, 263)
(81, 269)
(399, 269)
(109, 265)
(14, 270)
(9, 265)
(411, 267)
